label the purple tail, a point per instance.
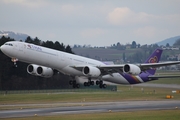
(154, 58)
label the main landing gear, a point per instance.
(89, 83)
(74, 84)
(100, 83)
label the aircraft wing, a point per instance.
(165, 76)
(108, 69)
(146, 66)
(143, 66)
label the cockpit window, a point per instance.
(9, 44)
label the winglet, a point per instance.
(154, 58)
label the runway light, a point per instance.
(176, 107)
(110, 110)
(169, 96)
(35, 114)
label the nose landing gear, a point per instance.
(14, 60)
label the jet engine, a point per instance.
(131, 69)
(39, 70)
(91, 71)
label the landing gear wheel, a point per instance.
(70, 82)
(100, 86)
(97, 82)
(92, 82)
(77, 86)
(104, 85)
(101, 82)
(85, 84)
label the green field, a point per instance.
(124, 93)
(135, 115)
(167, 80)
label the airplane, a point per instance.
(43, 61)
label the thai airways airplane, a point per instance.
(43, 61)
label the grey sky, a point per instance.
(95, 22)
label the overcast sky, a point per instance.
(95, 22)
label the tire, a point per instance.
(70, 82)
(77, 86)
(74, 85)
(97, 82)
(92, 82)
(85, 84)
(100, 86)
(104, 85)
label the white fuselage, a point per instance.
(55, 59)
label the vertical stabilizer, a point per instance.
(154, 58)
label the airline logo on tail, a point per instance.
(153, 59)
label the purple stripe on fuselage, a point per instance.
(132, 79)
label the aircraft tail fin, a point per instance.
(154, 58)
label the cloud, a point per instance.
(92, 33)
(119, 16)
(124, 16)
(27, 3)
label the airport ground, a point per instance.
(144, 101)
(131, 97)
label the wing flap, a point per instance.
(165, 76)
(156, 65)
(108, 69)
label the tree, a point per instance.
(167, 45)
(177, 43)
(29, 40)
(124, 56)
(36, 41)
(133, 44)
(17, 78)
(68, 49)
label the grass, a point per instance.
(168, 80)
(124, 93)
(134, 115)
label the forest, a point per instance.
(17, 78)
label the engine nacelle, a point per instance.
(131, 69)
(39, 70)
(91, 71)
(31, 69)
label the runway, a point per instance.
(93, 107)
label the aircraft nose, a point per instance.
(2, 48)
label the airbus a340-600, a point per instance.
(43, 61)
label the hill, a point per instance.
(171, 41)
(13, 35)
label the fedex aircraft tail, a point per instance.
(154, 58)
